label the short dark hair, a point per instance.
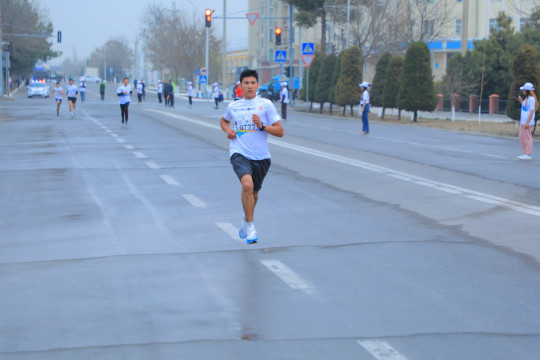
(249, 73)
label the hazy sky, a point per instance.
(89, 24)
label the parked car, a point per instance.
(38, 89)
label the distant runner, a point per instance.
(124, 92)
(102, 87)
(72, 92)
(58, 92)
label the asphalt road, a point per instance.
(120, 242)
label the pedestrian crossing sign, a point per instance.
(308, 49)
(281, 56)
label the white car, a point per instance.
(38, 89)
(90, 79)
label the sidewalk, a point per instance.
(433, 115)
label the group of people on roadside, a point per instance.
(166, 91)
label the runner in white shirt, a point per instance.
(82, 90)
(284, 99)
(159, 91)
(72, 92)
(216, 93)
(58, 92)
(253, 118)
(139, 91)
(124, 92)
(190, 93)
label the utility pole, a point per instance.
(465, 27)
(348, 22)
(291, 33)
(224, 45)
(1, 57)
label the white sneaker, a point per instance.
(251, 234)
(525, 157)
(243, 228)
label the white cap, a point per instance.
(364, 84)
(238, 83)
(214, 84)
(190, 83)
(284, 83)
(527, 86)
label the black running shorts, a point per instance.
(72, 99)
(256, 168)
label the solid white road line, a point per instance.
(288, 276)
(152, 165)
(139, 154)
(381, 350)
(170, 180)
(448, 188)
(230, 230)
(195, 201)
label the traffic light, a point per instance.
(278, 36)
(208, 17)
(59, 36)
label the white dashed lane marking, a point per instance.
(152, 165)
(140, 155)
(230, 230)
(170, 180)
(381, 350)
(129, 147)
(288, 276)
(195, 201)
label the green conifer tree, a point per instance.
(377, 88)
(347, 90)
(524, 69)
(335, 79)
(416, 90)
(392, 82)
(324, 80)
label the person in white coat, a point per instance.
(190, 93)
(284, 97)
(216, 94)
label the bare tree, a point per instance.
(524, 9)
(423, 20)
(176, 40)
(115, 54)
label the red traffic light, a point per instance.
(207, 18)
(278, 36)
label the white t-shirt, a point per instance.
(160, 88)
(82, 86)
(190, 91)
(285, 95)
(250, 141)
(72, 90)
(139, 87)
(216, 91)
(365, 98)
(124, 98)
(58, 91)
(528, 105)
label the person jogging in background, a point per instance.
(143, 90)
(166, 92)
(58, 92)
(159, 90)
(102, 87)
(124, 92)
(284, 96)
(190, 93)
(253, 118)
(216, 93)
(82, 90)
(238, 91)
(72, 92)
(139, 91)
